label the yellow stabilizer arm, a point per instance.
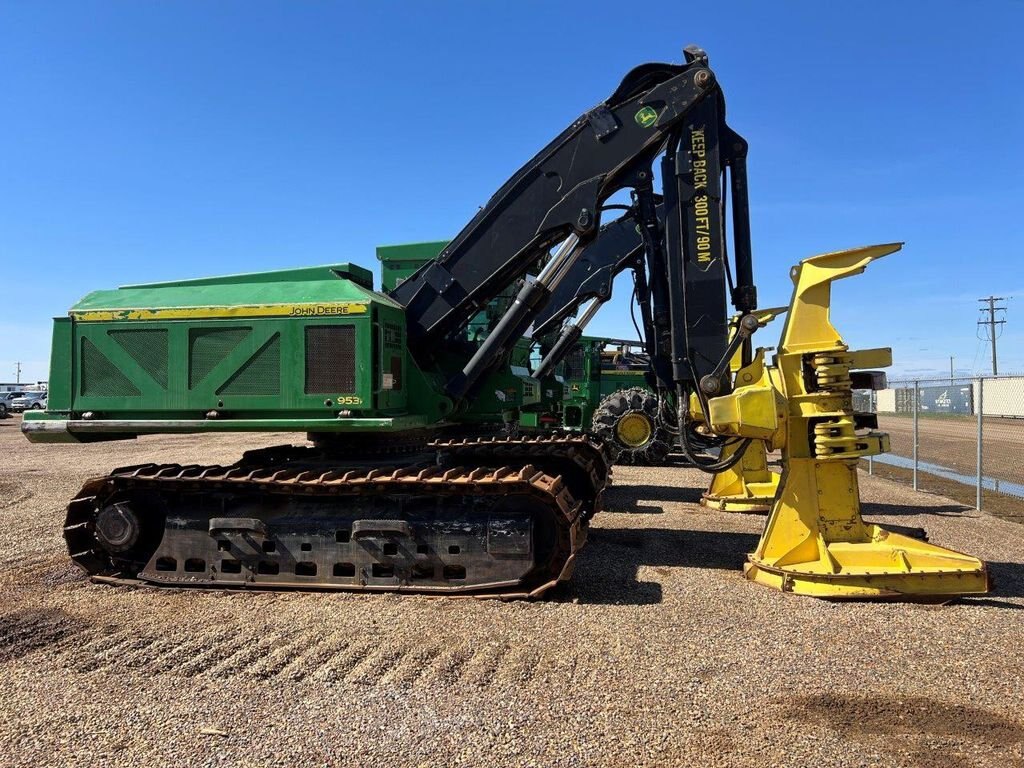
(815, 541)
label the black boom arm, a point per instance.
(557, 198)
(557, 194)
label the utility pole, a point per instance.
(17, 372)
(950, 369)
(991, 322)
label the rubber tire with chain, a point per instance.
(633, 402)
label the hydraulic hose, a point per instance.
(712, 467)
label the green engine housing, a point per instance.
(309, 350)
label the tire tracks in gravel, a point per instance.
(26, 631)
(13, 492)
(41, 571)
(233, 651)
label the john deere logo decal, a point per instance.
(646, 117)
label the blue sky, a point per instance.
(144, 141)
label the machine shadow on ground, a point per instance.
(1007, 580)
(608, 567)
(627, 498)
(942, 510)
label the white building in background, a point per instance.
(25, 386)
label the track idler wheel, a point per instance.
(112, 533)
(628, 421)
(117, 527)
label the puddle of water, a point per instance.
(988, 483)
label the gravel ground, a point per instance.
(658, 654)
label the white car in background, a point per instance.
(5, 401)
(29, 401)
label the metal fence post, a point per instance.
(980, 405)
(917, 407)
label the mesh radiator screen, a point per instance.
(330, 359)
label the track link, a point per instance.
(477, 522)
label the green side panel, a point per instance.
(400, 261)
(148, 347)
(61, 383)
(100, 377)
(260, 375)
(257, 367)
(208, 347)
(424, 392)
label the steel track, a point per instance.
(493, 517)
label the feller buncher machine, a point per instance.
(412, 480)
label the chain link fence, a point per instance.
(961, 437)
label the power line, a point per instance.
(977, 351)
(990, 324)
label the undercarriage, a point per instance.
(498, 517)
